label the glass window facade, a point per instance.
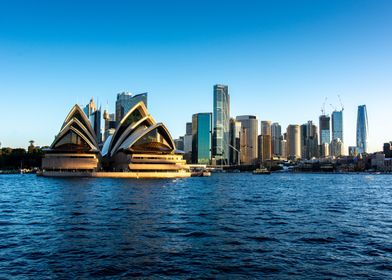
(337, 125)
(201, 138)
(362, 129)
(221, 132)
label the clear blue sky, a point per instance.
(279, 58)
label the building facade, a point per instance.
(293, 142)
(362, 129)
(221, 116)
(337, 125)
(248, 139)
(126, 101)
(265, 141)
(201, 138)
(235, 136)
(325, 131)
(276, 138)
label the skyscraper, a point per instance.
(264, 147)
(362, 129)
(126, 101)
(325, 131)
(220, 138)
(309, 141)
(234, 148)
(94, 116)
(276, 135)
(248, 139)
(293, 142)
(201, 138)
(337, 125)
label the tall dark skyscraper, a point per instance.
(235, 134)
(325, 131)
(221, 128)
(362, 129)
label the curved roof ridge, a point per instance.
(143, 112)
(87, 133)
(136, 137)
(129, 131)
(76, 109)
(78, 133)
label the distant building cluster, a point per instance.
(218, 139)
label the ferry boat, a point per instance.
(261, 171)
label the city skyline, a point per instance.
(279, 65)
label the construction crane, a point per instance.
(323, 107)
(341, 104)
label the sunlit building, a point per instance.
(248, 139)
(293, 142)
(265, 142)
(139, 148)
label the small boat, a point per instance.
(203, 173)
(261, 171)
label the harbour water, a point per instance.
(223, 226)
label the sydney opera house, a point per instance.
(138, 148)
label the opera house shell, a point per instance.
(139, 148)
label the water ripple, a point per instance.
(234, 226)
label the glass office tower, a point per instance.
(221, 130)
(337, 125)
(325, 131)
(362, 129)
(201, 138)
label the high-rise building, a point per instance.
(325, 131)
(188, 129)
(94, 116)
(248, 139)
(309, 141)
(179, 143)
(234, 148)
(264, 147)
(362, 129)
(276, 135)
(337, 125)
(201, 138)
(220, 138)
(304, 139)
(283, 147)
(336, 148)
(188, 142)
(126, 101)
(293, 142)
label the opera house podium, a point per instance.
(139, 148)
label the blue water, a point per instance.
(225, 226)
